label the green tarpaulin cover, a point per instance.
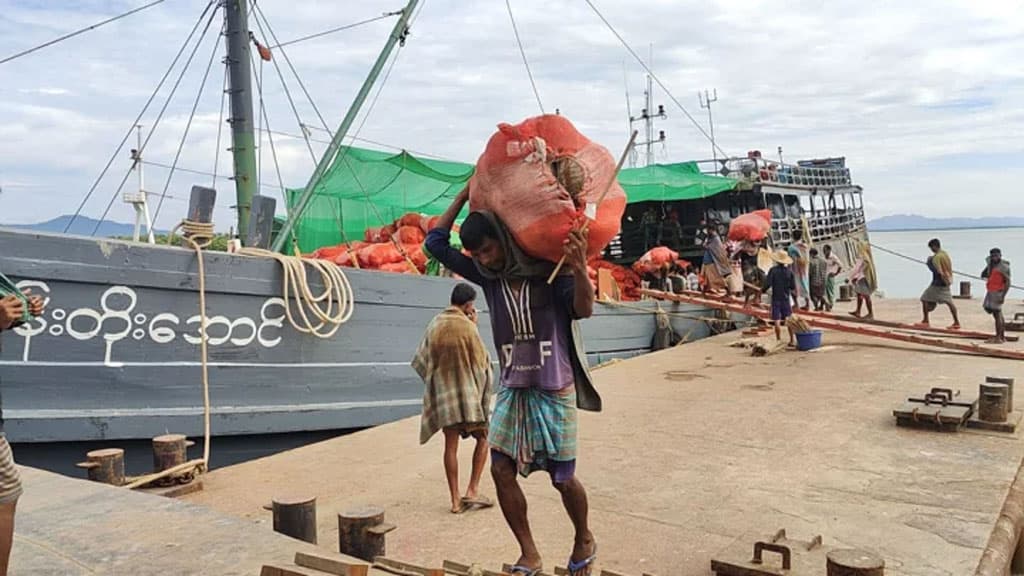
(367, 188)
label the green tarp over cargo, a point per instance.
(368, 188)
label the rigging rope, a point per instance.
(918, 261)
(159, 117)
(128, 134)
(655, 78)
(188, 126)
(220, 126)
(515, 29)
(79, 31)
(338, 29)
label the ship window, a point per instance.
(793, 209)
(858, 201)
(776, 206)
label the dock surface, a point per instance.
(71, 527)
(698, 448)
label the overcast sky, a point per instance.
(926, 103)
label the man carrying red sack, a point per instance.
(544, 378)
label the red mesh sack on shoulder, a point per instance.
(654, 259)
(753, 226)
(539, 177)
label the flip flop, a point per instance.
(479, 502)
(953, 327)
(583, 567)
(524, 570)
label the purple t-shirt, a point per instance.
(532, 328)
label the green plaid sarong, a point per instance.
(536, 428)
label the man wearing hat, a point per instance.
(782, 284)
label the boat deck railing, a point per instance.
(769, 171)
(821, 224)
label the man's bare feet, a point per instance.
(995, 341)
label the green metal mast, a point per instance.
(243, 141)
(397, 35)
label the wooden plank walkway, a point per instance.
(698, 448)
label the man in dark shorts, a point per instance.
(543, 375)
(12, 313)
(782, 284)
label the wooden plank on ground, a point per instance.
(271, 570)
(404, 568)
(337, 566)
(460, 569)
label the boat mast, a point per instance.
(243, 141)
(397, 35)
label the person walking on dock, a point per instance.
(12, 313)
(782, 284)
(864, 279)
(817, 277)
(798, 252)
(938, 291)
(997, 276)
(456, 369)
(835, 268)
(544, 378)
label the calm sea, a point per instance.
(899, 278)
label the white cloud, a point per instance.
(923, 100)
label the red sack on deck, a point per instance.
(654, 259)
(328, 252)
(400, 267)
(428, 224)
(753, 226)
(415, 253)
(376, 255)
(410, 219)
(410, 235)
(515, 179)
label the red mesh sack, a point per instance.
(400, 267)
(753, 226)
(410, 235)
(415, 253)
(428, 224)
(654, 259)
(515, 178)
(376, 255)
(328, 252)
(410, 219)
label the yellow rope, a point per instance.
(330, 309)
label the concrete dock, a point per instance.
(701, 447)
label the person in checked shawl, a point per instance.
(543, 377)
(456, 370)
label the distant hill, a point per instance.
(916, 222)
(83, 225)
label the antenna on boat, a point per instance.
(647, 116)
(138, 200)
(705, 102)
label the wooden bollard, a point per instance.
(992, 402)
(361, 532)
(854, 563)
(169, 451)
(1009, 391)
(965, 290)
(845, 292)
(296, 517)
(106, 466)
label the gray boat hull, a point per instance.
(116, 354)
